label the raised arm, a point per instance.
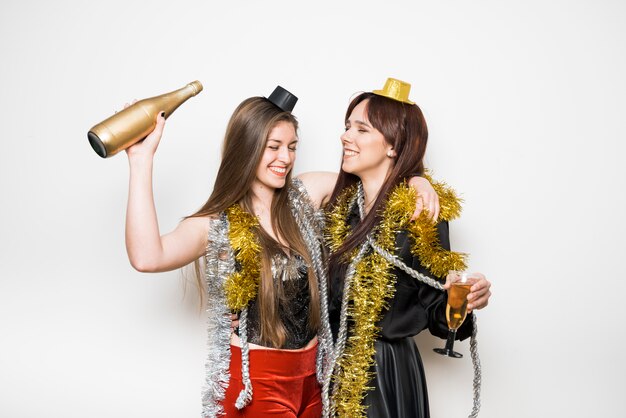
(147, 250)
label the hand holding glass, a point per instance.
(456, 310)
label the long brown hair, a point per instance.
(404, 128)
(244, 144)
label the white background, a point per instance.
(525, 103)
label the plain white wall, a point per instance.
(525, 103)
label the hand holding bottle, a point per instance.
(136, 121)
(148, 146)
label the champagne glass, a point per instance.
(456, 308)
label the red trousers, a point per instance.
(284, 384)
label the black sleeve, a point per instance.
(416, 305)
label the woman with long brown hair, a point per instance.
(249, 228)
(260, 236)
(382, 266)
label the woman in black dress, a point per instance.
(377, 304)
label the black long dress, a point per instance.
(399, 386)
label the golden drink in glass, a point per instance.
(456, 308)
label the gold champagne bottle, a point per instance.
(134, 123)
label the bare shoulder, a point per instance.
(319, 185)
(199, 221)
(198, 226)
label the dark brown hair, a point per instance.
(404, 128)
(244, 144)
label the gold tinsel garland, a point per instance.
(449, 202)
(337, 229)
(373, 283)
(242, 286)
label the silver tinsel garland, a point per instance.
(220, 263)
(245, 396)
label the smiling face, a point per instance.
(278, 157)
(365, 151)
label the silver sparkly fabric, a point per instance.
(220, 263)
(288, 268)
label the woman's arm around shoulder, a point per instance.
(319, 185)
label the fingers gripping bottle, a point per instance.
(134, 123)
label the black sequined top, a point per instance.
(291, 279)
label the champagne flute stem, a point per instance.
(450, 340)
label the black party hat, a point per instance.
(283, 99)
